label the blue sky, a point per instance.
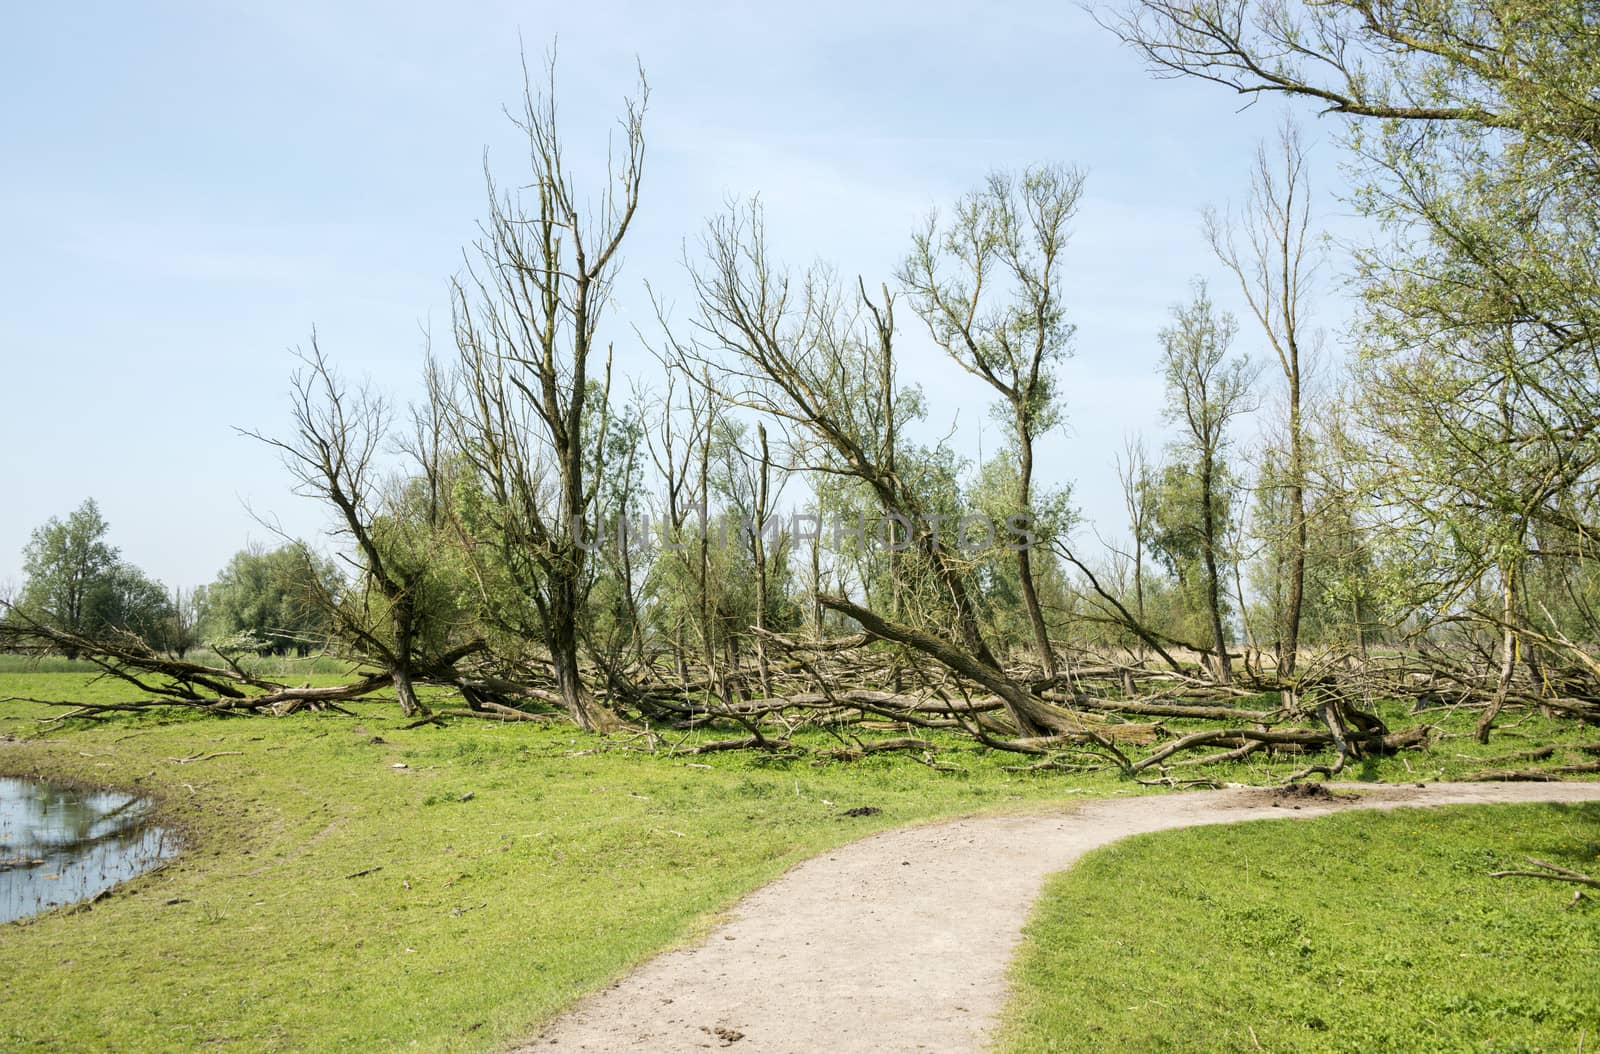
(189, 189)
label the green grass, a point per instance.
(1360, 932)
(286, 666)
(12, 663)
(573, 859)
(568, 864)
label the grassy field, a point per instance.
(285, 666)
(346, 882)
(519, 866)
(1361, 933)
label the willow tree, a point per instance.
(263, 594)
(1206, 390)
(1464, 463)
(1133, 475)
(1475, 129)
(989, 286)
(532, 383)
(684, 419)
(821, 359)
(750, 484)
(1265, 247)
(333, 456)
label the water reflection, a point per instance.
(62, 844)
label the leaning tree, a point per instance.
(988, 284)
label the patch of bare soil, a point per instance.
(900, 942)
(1296, 796)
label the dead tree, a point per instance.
(332, 455)
(1266, 250)
(530, 414)
(684, 424)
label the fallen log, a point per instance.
(1549, 775)
(1154, 709)
(864, 747)
(1550, 872)
(1298, 737)
(742, 743)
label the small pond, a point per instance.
(60, 844)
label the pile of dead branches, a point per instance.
(863, 695)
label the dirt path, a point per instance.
(900, 941)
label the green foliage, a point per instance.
(704, 586)
(78, 583)
(64, 563)
(129, 599)
(1000, 315)
(418, 537)
(994, 495)
(1473, 140)
(878, 552)
(1177, 541)
(271, 601)
(1192, 510)
(1344, 579)
(1206, 389)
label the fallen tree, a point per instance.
(822, 686)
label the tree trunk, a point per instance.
(410, 705)
(1208, 525)
(1138, 583)
(961, 600)
(1030, 595)
(400, 599)
(1033, 717)
(561, 638)
(1297, 508)
(763, 494)
(816, 576)
(1508, 655)
(1252, 646)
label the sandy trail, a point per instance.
(901, 941)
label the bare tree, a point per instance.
(758, 542)
(1001, 317)
(684, 422)
(532, 415)
(824, 360)
(183, 627)
(1133, 472)
(756, 484)
(1266, 250)
(338, 435)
